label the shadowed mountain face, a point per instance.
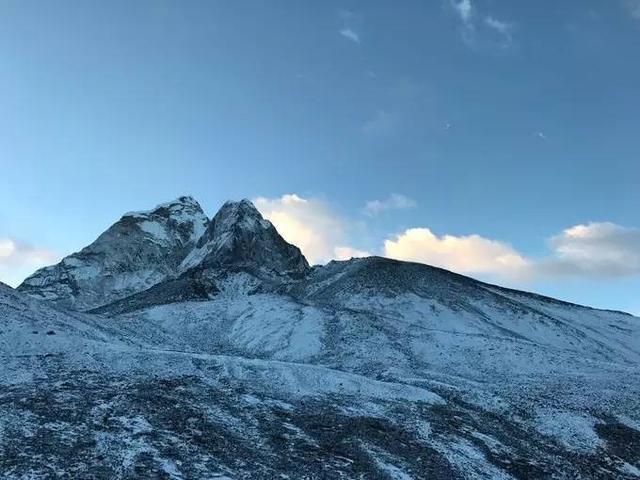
(239, 236)
(212, 350)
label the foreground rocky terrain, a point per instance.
(181, 347)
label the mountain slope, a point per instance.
(517, 403)
(240, 361)
(34, 337)
(434, 299)
(138, 251)
(373, 314)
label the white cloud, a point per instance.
(18, 260)
(350, 25)
(470, 254)
(350, 34)
(541, 135)
(464, 9)
(395, 201)
(476, 28)
(503, 28)
(311, 225)
(594, 250)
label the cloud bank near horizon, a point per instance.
(595, 250)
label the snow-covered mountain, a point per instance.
(138, 251)
(239, 236)
(219, 353)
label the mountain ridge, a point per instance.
(242, 361)
(209, 239)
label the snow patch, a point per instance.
(574, 430)
(155, 229)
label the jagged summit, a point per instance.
(139, 250)
(183, 215)
(239, 235)
(235, 216)
(176, 208)
(145, 248)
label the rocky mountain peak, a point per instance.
(184, 215)
(145, 248)
(236, 216)
(238, 235)
(138, 251)
(184, 203)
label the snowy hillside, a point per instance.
(217, 352)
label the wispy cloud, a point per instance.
(465, 12)
(395, 201)
(464, 9)
(351, 23)
(350, 34)
(501, 27)
(541, 135)
(19, 259)
(477, 30)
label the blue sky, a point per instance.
(495, 138)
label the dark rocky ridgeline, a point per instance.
(238, 235)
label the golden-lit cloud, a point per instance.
(470, 254)
(311, 225)
(592, 250)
